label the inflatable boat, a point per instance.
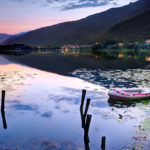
(129, 94)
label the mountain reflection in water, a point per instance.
(42, 112)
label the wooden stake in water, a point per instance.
(3, 100)
(87, 107)
(4, 119)
(86, 130)
(103, 143)
(87, 125)
(82, 99)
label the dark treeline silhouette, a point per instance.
(15, 49)
(112, 48)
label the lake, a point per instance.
(42, 107)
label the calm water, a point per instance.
(42, 110)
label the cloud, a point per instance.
(24, 107)
(76, 4)
(52, 1)
(19, 1)
(85, 4)
(47, 114)
(22, 1)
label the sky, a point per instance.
(24, 15)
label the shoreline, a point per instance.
(55, 63)
(65, 64)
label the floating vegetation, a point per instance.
(11, 80)
(115, 78)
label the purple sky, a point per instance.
(24, 15)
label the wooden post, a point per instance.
(87, 125)
(82, 99)
(86, 131)
(103, 143)
(83, 115)
(4, 119)
(82, 119)
(3, 100)
(85, 120)
(87, 107)
(86, 143)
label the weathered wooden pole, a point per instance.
(87, 107)
(81, 107)
(103, 143)
(83, 115)
(87, 125)
(86, 131)
(85, 118)
(82, 119)
(82, 99)
(4, 119)
(3, 100)
(86, 143)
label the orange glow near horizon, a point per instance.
(12, 27)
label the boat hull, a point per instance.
(119, 94)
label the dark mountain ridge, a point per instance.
(83, 31)
(136, 28)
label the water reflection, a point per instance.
(45, 103)
(47, 114)
(120, 104)
(123, 104)
(86, 132)
(48, 105)
(24, 107)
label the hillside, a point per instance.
(84, 31)
(4, 37)
(14, 36)
(136, 28)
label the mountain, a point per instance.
(136, 28)
(84, 31)
(12, 37)
(4, 37)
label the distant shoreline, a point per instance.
(55, 63)
(65, 64)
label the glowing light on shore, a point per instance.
(147, 59)
(120, 56)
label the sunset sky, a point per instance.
(24, 15)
